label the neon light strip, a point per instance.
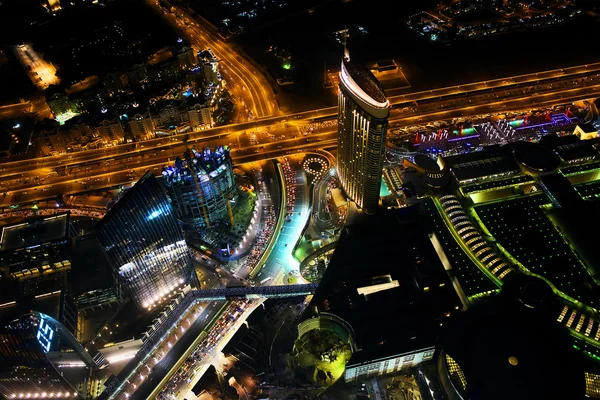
(463, 138)
(534, 126)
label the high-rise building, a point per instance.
(363, 111)
(40, 358)
(36, 254)
(145, 245)
(201, 186)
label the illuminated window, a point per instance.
(580, 323)
(563, 314)
(456, 374)
(589, 327)
(503, 274)
(498, 268)
(571, 318)
(592, 385)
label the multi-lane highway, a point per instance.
(448, 95)
(95, 169)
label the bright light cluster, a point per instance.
(164, 294)
(43, 395)
(317, 174)
(248, 230)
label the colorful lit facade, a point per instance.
(363, 111)
(201, 186)
(145, 245)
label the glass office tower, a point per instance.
(145, 244)
(363, 111)
(40, 358)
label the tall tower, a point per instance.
(363, 111)
(201, 186)
(40, 358)
(145, 245)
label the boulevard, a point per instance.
(41, 178)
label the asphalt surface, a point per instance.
(171, 358)
(281, 260)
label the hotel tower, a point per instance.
(363, 111)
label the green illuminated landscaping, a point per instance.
(320, 358)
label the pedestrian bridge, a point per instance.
(254, 292)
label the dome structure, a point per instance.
(508, 347)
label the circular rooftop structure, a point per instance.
(506, 349)
(435, 176)
(535, 157)
(426, 163)
(529, 291)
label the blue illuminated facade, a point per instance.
(145, 245)
(45, 335)
(201, 186)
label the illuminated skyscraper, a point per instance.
(40, 358)
(145, 245)
(201, 186)
(363, 111)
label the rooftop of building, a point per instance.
(127, 323)
(488, 185)
(90, 269)
(534, 156)
(523, 229)
(203, 161)
(34, 232)
(492, 160)
(386, 65)
(402, 318)
(365, 80)
(561, 190)
(577, 150)
(509, 351)
(579, 168)
(12, 307)
(426, 162)
(552, 141)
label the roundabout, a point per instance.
(315, 165)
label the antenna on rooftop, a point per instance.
(346, 53)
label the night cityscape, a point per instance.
(295, 200)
